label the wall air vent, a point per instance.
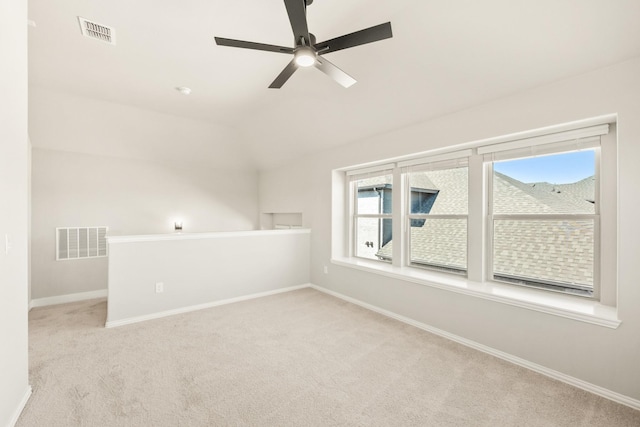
(81, 242)
(97, 31)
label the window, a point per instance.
(543, 221)
(372, 215)
(527, 212)
(437, 215)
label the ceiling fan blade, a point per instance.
(251, 45)
(284, 75)
(296, 9)
(368, 35)
(334, 72)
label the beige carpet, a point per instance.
(296, 359)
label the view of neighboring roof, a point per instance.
(380, 180)
(452, 187)
(514, 197)
(541, 250)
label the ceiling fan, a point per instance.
(306, 51)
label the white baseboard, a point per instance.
(136, 319)
(592, 388)
(20, 408)
(62, 299)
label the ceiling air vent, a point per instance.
(97, 31)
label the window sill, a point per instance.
(571, 307)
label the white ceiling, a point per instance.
(444, 56)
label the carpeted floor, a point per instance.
(296, 359)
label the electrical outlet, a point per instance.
(159, 287)
(326, 270)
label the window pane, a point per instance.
(373, 238)
(440, 243)
(440, 192)
(374, 195)
(553, 251)
(556, 184)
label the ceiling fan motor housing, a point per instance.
(312, 39)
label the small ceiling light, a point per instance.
(305, 56)
(183, 90)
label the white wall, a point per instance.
(101, 163)
(201, 269)
(65, 122)
(14, 387)
(130, 197)
(601, 356)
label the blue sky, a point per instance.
(562, 168)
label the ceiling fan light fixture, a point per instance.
(305, 57)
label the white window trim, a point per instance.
(476, 284)
(440, 162)
(582, 139)
(595, 217)
(461, 154)
(352, 194)
(372, 170)
(567, 306)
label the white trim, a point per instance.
(578, 124)
(594, 121)
(63, 299)
(374, 216)
(436, 158)
(479, 282)
(567, 306)
(437, 216)
(371, 169)
(570, 135)
(576, 382)
(136, 319)
(545, 217)
(23, 402)
(197, 236)
(563, 147)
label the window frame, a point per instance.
(602, 312)
(354, 215)
(595, 217)
(427, 166)
(479, 218)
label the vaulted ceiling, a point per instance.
(444, 56)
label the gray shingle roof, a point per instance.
(555, 251)
(452, 186)
(514, 197)
(546, 250)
